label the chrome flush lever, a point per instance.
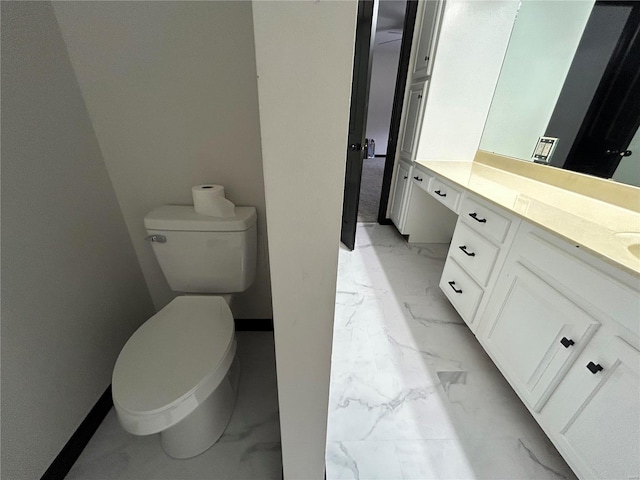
(156, 238)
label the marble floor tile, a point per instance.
(413, 394)
(248, 450)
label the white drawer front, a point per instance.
(463, 293)
(484, 219)
(421, 179)
(445, 193)
(473, 252)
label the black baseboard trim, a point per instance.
(386, 221)
(254, 324)
(74, 447)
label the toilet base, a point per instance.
(203, 427)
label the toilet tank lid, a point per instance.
(185, 218)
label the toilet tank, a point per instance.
(204, 254)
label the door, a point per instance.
(356, 145)
(424, 52)
(412, 119)
(604, 432)
(534, 333)
(399, 194)
(396, 113)
(614, 114)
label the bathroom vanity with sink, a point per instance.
(548, 279)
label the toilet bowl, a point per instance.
(178, 375)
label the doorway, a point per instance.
(387, 44)
(602, 95)
(396, 23)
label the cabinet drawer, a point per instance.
(463, 293)
(473, 252)
(484, 219)
(445, 193)
(421, 180)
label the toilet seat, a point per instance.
(172, 363)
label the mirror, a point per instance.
(571, 71)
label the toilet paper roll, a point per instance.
(210, 200)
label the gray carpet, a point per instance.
(372, 171)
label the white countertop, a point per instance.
(604, 229)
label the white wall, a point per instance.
(171, 90)
(304, 54)
(544, 41)
(471, 47)
(381, 90)
(72, 290)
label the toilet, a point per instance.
(178, 373)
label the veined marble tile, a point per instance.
(413, 394)
(474, 458)
(363, 460)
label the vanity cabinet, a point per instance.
(478, 248)
(562, 327)
(426, 37)
(420, 217)
(600, 428)
(400, 194)
(535, 327)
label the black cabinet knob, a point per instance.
(464, 249)
(474, 215)
(594, 368)
(452, 285)
(567, 342)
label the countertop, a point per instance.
(605, 229)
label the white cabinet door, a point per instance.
(411, 120)
(603, 435)
(399, 195)
(426, 38)
(533, 332)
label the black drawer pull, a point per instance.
(438, 192)
(417, 178)
(452, 285)
(406, 176)
(567, 342)
(593, 368)
(474, 215)
(464, 249)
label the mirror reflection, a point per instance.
(572, 72)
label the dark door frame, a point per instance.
(622, 71)
(356, 145)
(396, 113)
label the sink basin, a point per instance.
(631, 241)
(634, 249)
